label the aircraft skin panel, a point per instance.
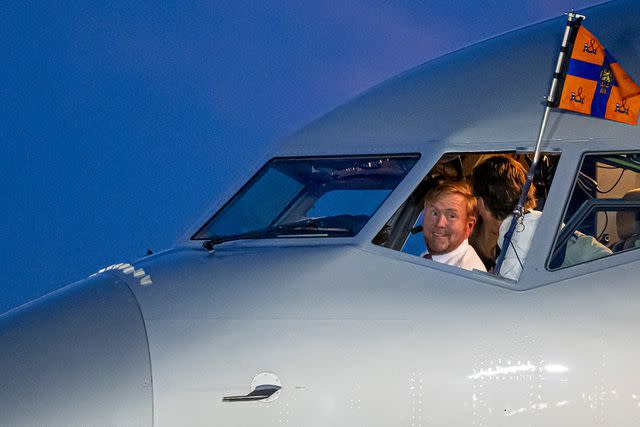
(388, 343)
(76, 357)
(355, 333)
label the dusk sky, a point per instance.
(122, 123)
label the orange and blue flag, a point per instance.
(595, 83)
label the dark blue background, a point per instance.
(122, 124)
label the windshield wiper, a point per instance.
(256, 234)
(307, 227)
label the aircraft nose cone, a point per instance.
(77, 355)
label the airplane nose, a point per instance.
(76, 356)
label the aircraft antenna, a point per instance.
(573, 23)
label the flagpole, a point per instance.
(518, 211)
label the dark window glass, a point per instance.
(325, 196)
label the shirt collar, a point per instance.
(460, 250)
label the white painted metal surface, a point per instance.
(388, 343)
(358, 334)
(76, 357)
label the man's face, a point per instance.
(446, 224)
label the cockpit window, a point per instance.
(603, 214)
(321, 196)
(483, 189)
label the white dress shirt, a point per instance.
(520, 242)
(464, 256)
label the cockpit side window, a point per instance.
(405, 230)
(602, 217)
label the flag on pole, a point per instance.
(592, 82)
(595, 83)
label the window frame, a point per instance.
(583, 211)
(414, 155)
(524, 282)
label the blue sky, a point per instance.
(123, 123)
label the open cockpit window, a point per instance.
(603, 214)
(320, 197)
(460, 211)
